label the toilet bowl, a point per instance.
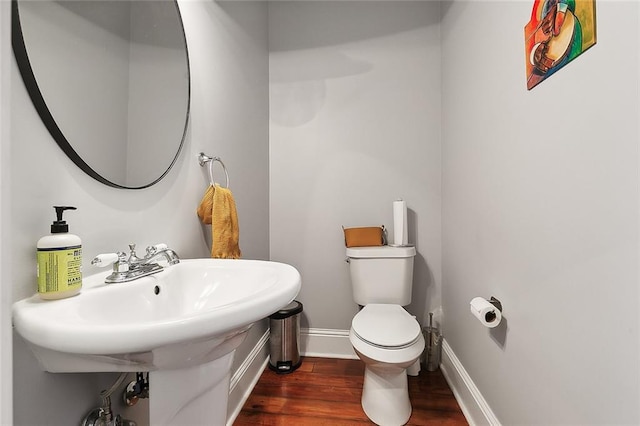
(388, 340)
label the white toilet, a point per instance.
(383, 334)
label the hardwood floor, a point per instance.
(325, 391)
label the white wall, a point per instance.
(540, 209)
(229, 65)
(354, 125)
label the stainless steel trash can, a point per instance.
(284, 340)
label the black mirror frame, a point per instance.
(29, 79)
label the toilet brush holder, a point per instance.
(433, 350)
(433, 346)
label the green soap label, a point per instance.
(59, 269)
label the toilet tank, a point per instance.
(381, 274)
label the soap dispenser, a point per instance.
(59, 260)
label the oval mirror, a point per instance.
(110, 80)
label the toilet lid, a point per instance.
(386, 326)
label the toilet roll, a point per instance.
(487, 314)
(400, 232)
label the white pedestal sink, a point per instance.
(182, 325)
(203, 401)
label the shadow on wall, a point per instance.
(316, 50)
(423, 279)
(499, 333)
(298, 83)
(339, 23)
(422, 282)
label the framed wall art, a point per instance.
(559, 31)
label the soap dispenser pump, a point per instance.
(59, 260)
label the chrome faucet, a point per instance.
(133, 267)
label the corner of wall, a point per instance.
(6, 373)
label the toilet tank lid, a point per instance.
(381, 252)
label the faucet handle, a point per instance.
(103, 260)
(119, 261)
(151, 250)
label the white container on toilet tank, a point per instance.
(381, 274)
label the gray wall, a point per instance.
(229, 66)
(55, 35)
(6, 405)
(539, 212)
(354, 125)
(540, 209)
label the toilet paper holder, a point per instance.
(488, 312)
(495, 302)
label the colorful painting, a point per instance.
(558, 32)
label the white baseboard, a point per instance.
(473, 405)
(246, 376)
(326, 343)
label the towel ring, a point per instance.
(204, 158)
(226, 175)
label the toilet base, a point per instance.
(385, 395)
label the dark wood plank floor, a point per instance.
(325, 391)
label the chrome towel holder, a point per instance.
(204, 159)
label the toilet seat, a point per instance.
(386, 326)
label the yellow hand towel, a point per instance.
(218, 208)
(205, 209)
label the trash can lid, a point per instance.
(291, 309)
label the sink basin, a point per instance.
(187, 315)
